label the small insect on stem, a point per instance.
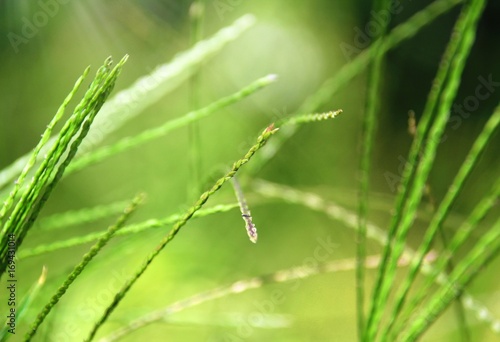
(245, 212)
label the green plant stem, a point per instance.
(481, 254)
(80, 129)
(197, 13)
(25, 305)
(462, 235)
(127, 230)
(406, 213)
(145, 136)
(349, 219)
(350, 70)
(444, 208)
(81, 266)
(67, 133)
(261, 141)
(283, 276)
(80, 216)
(148, 89)
(43, 141)
(51, 169)
(372, 107)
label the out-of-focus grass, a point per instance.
(301, 43)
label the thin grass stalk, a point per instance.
(70, 218)
(196, 13)
(481, 254)
(127, 230)
(245, 211)
(372, 108)
(148, 89)
(153, 133)
(243, 285)
(53, 155)
(34, 196)
(43, 141)
(444, 209)
(459, 309)
(81, 266)
(261, 141)
(349, 219)
(461, 236)
(25, 305)
(425, 164)
(462, 323)
(415, 150)
(68, 132)
(41, 249)
(309, 118)
(96, 103)
(325, 93)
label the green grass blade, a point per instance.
(53, 172)
(372, 107)
(24, 305)
(127, 230)
(196, 14)
(261, 141)
(481, 254)
(81, 266)
(80, 216)
(423, 168)
(350, 70)
(43, 141)
(50, 171)
(462, 235)
(243, 285)
(129, 142)
(444, 209)
(349, 219)
(50, 162)
(146, 90)
(415, 149)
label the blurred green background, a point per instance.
(301, 42)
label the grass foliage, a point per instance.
(386, 312)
